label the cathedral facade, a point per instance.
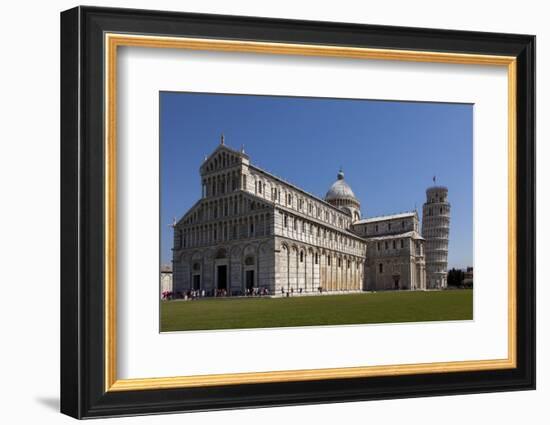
(251, 230)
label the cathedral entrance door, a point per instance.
(249, 279)
(196, 282)
(222, 277)
(396, 277)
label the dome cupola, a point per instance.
(341, 196)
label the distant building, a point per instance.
(251, 229)
(166, 283)
(468, 280)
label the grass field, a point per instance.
(380, 307)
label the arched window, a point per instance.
(316, 258)
(328, 260)
(402, 244)
(285, 220)
(249, 261)
(196, 266)
(381, 268)
(301, 256)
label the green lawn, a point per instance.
(380, 307)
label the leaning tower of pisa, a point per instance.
(436, 217)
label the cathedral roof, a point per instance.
(293, 186)
(386, 217)
(340, 189)
(411, 234)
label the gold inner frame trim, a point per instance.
(113, 41)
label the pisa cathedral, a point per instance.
(253, 230)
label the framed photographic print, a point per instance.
(261, 212)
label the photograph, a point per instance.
(265, 210)
(281, 211)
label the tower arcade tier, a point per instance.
(436, 217)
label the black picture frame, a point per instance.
(83, 392)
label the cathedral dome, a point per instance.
(340, 190)
(341, 196)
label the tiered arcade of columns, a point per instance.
(436, 217)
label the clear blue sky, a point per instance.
(389, 152)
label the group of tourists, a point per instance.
(219, 293)
(257, 292)
(167, 295)
(194, 294)
(289, 293)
